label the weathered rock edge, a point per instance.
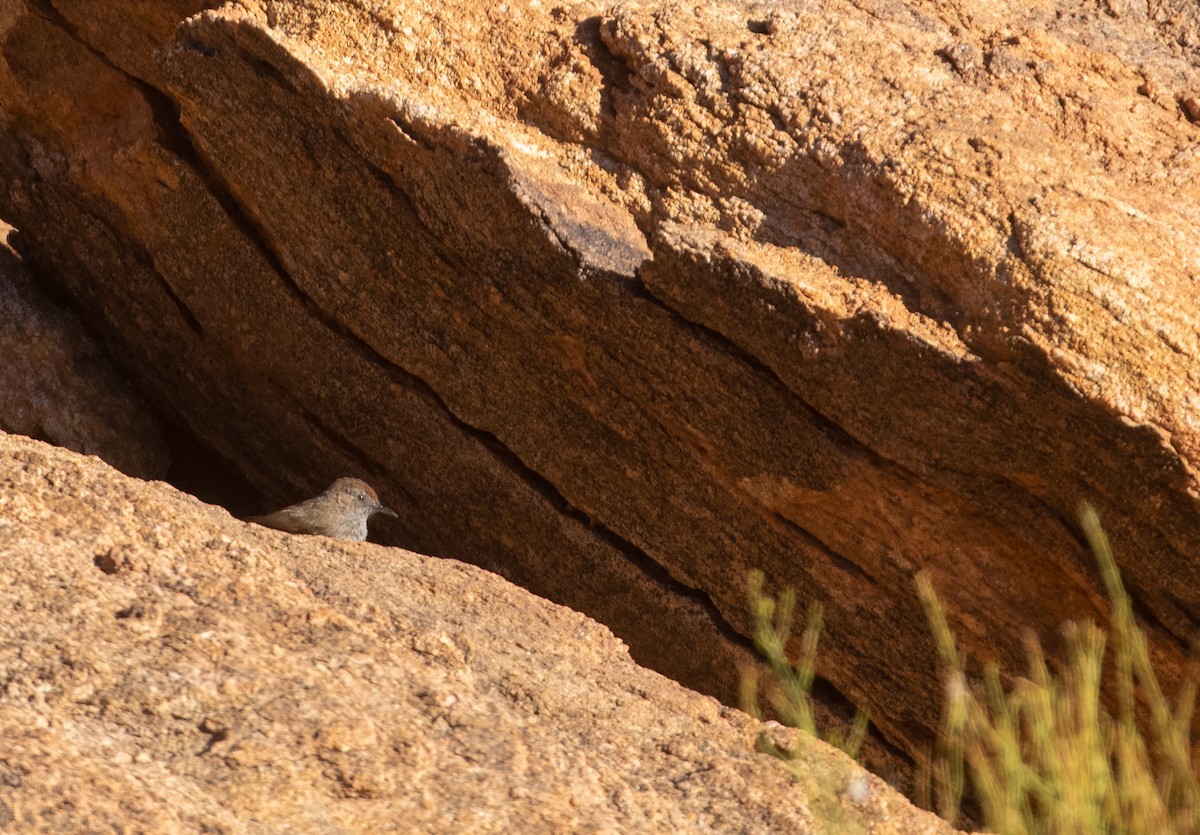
(168, 668)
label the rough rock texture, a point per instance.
(167, 668)
(56, 385)
(625, 299)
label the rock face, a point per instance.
(56, 385)
(167, 668)
(623, 300)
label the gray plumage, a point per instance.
(341, 511)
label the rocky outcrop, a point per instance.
(56, 384)
(167, 668)
(624, 300)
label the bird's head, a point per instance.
(356, 496)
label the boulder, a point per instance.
(168, 668)
(624, 300)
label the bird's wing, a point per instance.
(282, 520)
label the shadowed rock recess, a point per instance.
(56, 385)
(623, 300)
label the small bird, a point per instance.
(341, 511)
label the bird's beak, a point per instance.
(386, 511)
